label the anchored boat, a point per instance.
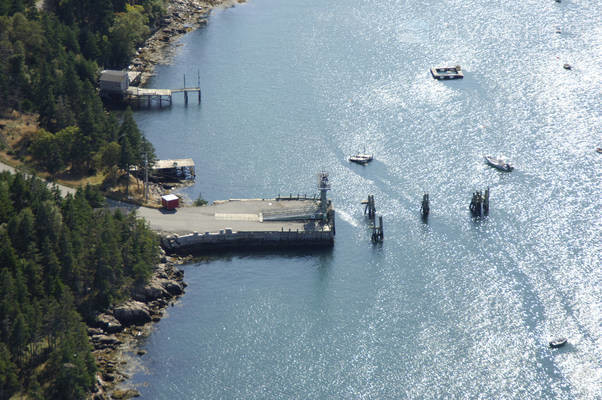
(447, 73)
(558, 342)
(361, 158)
(498, 163)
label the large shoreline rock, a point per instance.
(108, 323)
(165, 283)
(132, 313)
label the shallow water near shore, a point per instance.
(455, 308)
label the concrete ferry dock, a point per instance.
(248, 224)
(244, 224)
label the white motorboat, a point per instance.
(558, 342)
(498, 163)
(361, 158)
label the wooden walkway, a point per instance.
(144, 96)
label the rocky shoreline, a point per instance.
(182, 16)
(116, 333)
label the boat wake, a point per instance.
(347, 218)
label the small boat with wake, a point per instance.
(558, 342)
(361, 158)
(498, 163)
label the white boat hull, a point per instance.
(498, 163)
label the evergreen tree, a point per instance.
(22, 230)
(19, 337)
(6, 210)
(5, 6)
(46, 149)
(18, 6)
(8, 374)
(17, 191)
(8, 307)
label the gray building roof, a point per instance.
(113, 76)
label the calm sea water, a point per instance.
(456, 308)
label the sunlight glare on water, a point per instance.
(455, 308)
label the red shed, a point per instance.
(170, 201)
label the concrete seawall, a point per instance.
(226, 239)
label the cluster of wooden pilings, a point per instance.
(479, 205)
(377, 231)
(370, 210)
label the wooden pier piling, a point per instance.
(377, 231)
(479, 205)
(425, 207)
(370, 208)
(486, 202)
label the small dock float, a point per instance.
(444, 73)
(182, 168)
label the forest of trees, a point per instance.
(61, 262)
(49, 65)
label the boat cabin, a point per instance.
(447, 73)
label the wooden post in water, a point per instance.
(185, 92)
(479, 205)
(198, 83)
(425, 208)
(486, 202)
